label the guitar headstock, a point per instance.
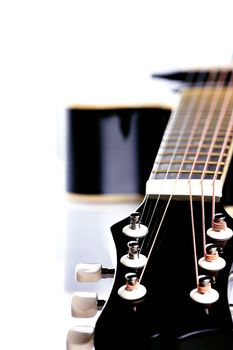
(147, 307)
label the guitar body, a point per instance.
(167, 318)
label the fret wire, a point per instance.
(176, 133)
(184, 171)
(215, 113)
(194, 146)
(196, 138)
(220, 122)
(191, 162)
(214, 154)
(196, 134)
(172, 124)
(205, 123)
(168, 143)
(229, 131)
(191, 151)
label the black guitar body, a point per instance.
(167, 317)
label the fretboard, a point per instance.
(197, 145)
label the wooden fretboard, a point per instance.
(197, 144)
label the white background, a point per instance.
(54, 53)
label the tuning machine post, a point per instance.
(204, 294)
(219, 232)
(132, 290)
(134, 259)
(135, 229)
(212, 262)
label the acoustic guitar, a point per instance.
(174, 253)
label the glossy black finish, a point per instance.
(167, 318)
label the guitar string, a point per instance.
(228, 136)
(212, 107)
(214, 139)
(184, 125)
(198, 118)
(194, 126)
(221, 116)
(200, 108)
(169, 125)
(188, 80)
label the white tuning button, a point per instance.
(85, 304)
(92, 272)
(80, 338)
(135, 229)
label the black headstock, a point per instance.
(166, 316)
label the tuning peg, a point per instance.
(212, 262)
(80, 338)
(92, 272)
(135, 229)
(204, 294)
(85, 304)
(132, 290)
(219, 231)
(133, 259)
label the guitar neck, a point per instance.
(197, 145)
